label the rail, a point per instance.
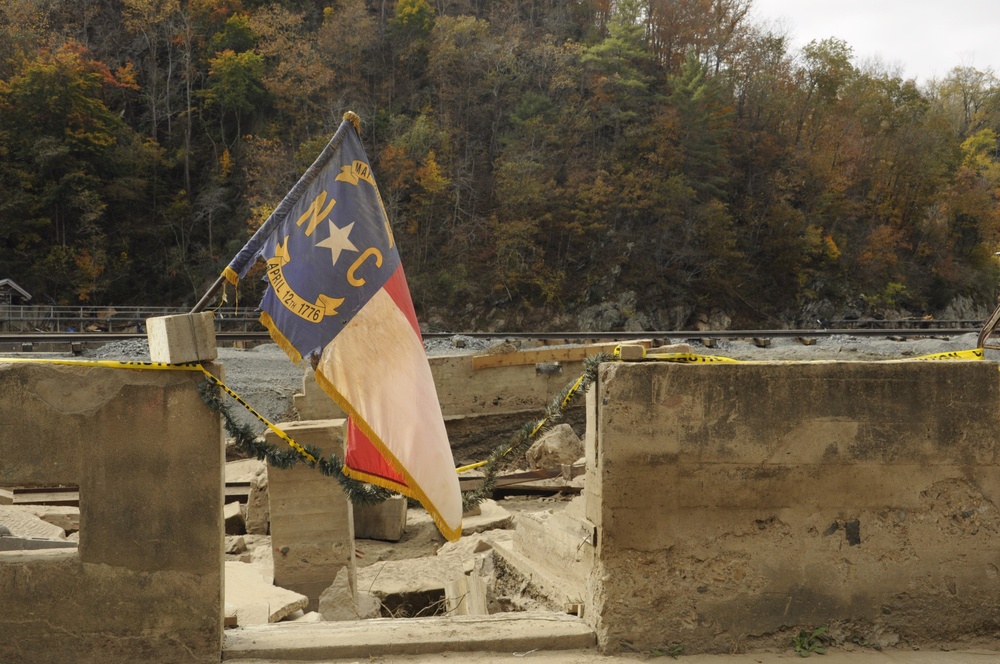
(123, 320)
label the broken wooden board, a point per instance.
(548, 354)
(528, 479)
(51, 495)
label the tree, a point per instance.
(234, 89)
(65, 175)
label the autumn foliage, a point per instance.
(536, 158)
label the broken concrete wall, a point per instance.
(464, 390)
(146, 582)
(482, 407)
(736, 504)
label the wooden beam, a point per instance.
(547, 354)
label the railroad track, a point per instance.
(91, 339)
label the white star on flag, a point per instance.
(338, 241)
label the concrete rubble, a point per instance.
(256, 601)
(513, 558)
(556, 447)
(22, 521)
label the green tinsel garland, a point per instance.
(359, 493)
(529, 432)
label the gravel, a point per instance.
(267, 379)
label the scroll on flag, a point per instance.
(337, 296)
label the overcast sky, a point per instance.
(925, 38)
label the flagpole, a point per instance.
(209, 294)
(349, 116)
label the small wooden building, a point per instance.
(11, 293)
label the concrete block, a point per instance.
(632, 353)
(414, 575)
(312, 523)
(22, 522)
(357, 640)
(557, 446)
(312, 403)
(182, 338)
(257, 602)
(491, 517)
(385, 521)
(466, 596)
(62, 516)
(233, 515)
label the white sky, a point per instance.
(924, 38)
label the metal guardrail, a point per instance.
(26, 319)
(55, 319)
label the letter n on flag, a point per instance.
(337, 296)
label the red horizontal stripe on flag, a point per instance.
(362, 455)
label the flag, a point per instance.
(337, 296)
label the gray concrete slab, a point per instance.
(592, 656)
(520, 632)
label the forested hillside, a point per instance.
(664, 159)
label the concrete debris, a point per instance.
(469, 546)
(235, 522)
(229, 617)
(256, 601)
(338, 601)
(369, 605)
(491, 517)
(385, 521)
(258, 515)
(400, 577)
(22, 522)
(243, 471)
(466, 596)
(557, 446)
(235, 544)
(33, 544)
(65, 517)
(301, 616)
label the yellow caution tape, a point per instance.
(161, 366)
(692, 358)
(278, 432)
(107, 364)
(973, 354)
(682, 358)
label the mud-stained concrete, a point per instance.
(738, 503)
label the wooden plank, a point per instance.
(237, 492)
(510, 479)
(547, 354)
(63, 495)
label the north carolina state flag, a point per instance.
(338, 296)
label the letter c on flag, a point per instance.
(370, 251)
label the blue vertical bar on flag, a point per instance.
(338, 296)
